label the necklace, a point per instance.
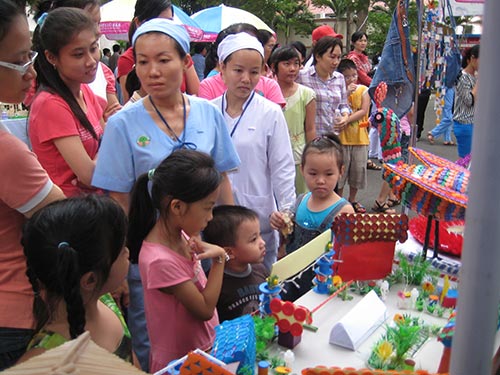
(242, 113)
(173, 136)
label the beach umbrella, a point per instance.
(117, 14)
(217, 18)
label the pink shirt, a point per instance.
(23, 185)
(51, 118)
(173, 330)
(213, 87)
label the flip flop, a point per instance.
(382, 208)
(371, 165)
(391, 202)
(358, 207)
(430, 138)
(449, 143)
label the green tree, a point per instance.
(292, 14)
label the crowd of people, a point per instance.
(169, 204)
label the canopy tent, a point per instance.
(217, 18)
(467, 7)
(117, 15)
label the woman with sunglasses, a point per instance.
(144, 133)
(24, 187)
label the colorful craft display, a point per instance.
(323, 370)
(324, 273)
(269, 289)
(290, 319)
(235, 342)
(365, 244)
(450, 234)
(199, 364)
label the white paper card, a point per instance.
(359, 323)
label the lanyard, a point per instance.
(182, 142)
(242, 113)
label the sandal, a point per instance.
(371, 165)
(382, 208)
(393, 202)
(449, 143)
(430, 138)
(358, 207)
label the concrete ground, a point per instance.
(367, 197)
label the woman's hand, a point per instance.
(111, 110)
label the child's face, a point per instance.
(249, 246)
(350, 76)
(199, 213)
(118, 272)
(321, 173)
(288, 70)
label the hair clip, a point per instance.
(42, 19)
(151, 174)
(62, 244)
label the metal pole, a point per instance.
(479, 289)
(417, 62)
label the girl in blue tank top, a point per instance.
(314, 212)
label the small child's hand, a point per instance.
(205, 250)
(351, 88)
(340, 123)
(277, 220)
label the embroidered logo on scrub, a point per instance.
(143, 140)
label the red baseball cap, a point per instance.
(324, 30)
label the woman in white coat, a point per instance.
(265, 179)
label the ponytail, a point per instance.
(142, 217)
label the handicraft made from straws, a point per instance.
(365, 243)
(437, 189)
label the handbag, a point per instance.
(454, 58)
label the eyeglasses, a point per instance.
(22, 69)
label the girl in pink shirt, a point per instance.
(179, 300)
(65, 124)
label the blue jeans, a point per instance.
(392, 69)
(445, 125)
(137, 317)
(463, 134)
(13, 343)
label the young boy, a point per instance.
(354, 136)
(237, 230)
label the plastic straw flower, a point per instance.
(428, 287)
(385, 350)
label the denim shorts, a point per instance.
(392, 69)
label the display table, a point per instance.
(315, 349)
(19, 128)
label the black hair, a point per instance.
(58, 30)
(62, 242)
(211, 59)
(146, 10)
(199, 47)
(263, 36)
(357, 35)
(324, 45)
(328, 142)
(46, 6)
(282, 54)
(186, 175)
(469, 53)
(222, 229)
(116, 48)
(8, 13)
(105, 51)
(346, 64)
(299, 46)
(132, 83)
